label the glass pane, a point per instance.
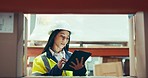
(92, 27)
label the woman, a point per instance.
(54, 56)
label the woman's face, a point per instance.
(61, 39)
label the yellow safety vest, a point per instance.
(42, 65)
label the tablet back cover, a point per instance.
(77, 54)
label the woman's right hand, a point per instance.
(61, 62)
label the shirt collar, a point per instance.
(54, 53)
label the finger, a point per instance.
(77, 61)
(73, 64)
(82, 60)
(63, 59)
(63, 62)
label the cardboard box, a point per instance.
(111, 59)
(108, 69)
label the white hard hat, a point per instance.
(62, 25)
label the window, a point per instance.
(88, 30)
(92, 28)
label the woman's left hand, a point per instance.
(78, 65)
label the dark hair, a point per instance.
(51, 40)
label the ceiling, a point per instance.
(74, 6)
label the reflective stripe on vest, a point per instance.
(46, 62)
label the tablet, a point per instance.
(76, 54)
